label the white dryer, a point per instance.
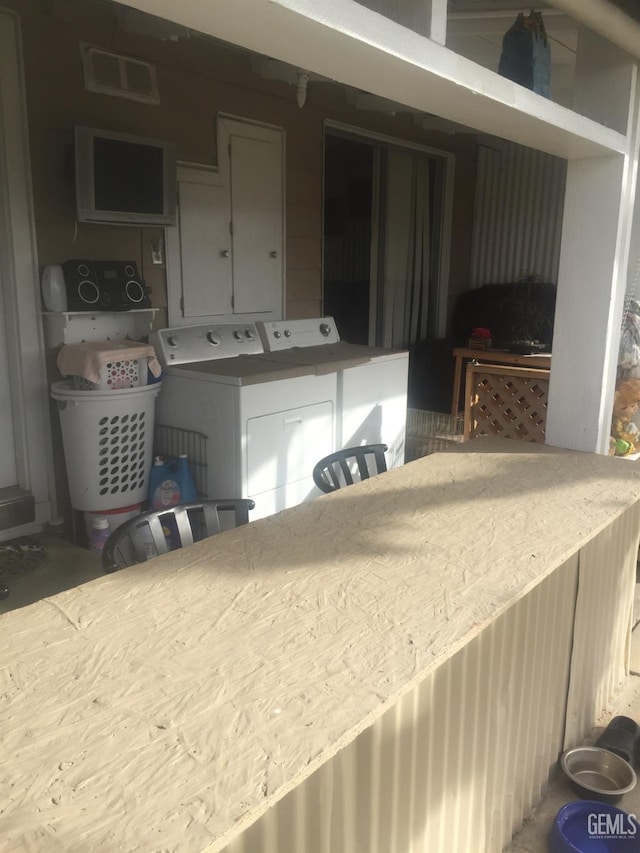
(266, 423)
(371, 381)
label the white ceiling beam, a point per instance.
(273, 69)
(439, 124)
(437, 20)
(350, 44)
(365, 101)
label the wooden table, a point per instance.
(394, 655)
(491, 356)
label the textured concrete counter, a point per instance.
(168, 706)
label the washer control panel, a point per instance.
(286, 334)
(187, 344)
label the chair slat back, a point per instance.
(339, 469)
(183, 524)
(153, 533)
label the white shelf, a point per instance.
(74, 327)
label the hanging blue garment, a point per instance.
(526, 55)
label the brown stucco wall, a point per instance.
(198, 78)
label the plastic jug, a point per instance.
(99, 534)
(164, 489)
(171, 483)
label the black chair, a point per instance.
(339, 469)
(159, 531)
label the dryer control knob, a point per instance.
(277, 335)
(213, 339)
(325, 329)
(248, 334)
(287, 333)
(237, 335)
(172, 341)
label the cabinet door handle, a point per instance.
(273, 254)
(224, 253)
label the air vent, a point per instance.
(122, 76)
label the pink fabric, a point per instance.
(88, 359)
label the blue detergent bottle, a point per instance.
(171, 483)
(164, 488)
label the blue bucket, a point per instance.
(589, 826)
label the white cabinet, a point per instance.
(225, 257)
(203, 272)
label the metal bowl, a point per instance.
(598, 774)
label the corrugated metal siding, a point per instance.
(459, 762)
(518, 215)
(603, 623)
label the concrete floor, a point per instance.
(65, 565)
(532, 838)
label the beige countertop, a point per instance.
(169, 705)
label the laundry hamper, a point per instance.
(108, 443)
(108, 365)
(123, 373)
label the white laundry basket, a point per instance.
(123, 373)
(108, 443)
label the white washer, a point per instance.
(266, 423)
(371, 381)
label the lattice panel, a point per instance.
(509, 404)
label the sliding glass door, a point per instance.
(383, 246)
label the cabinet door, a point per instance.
(205, 249)
(213, 275)
(199, 275)
(257, 221)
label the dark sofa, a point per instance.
(514, 312)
